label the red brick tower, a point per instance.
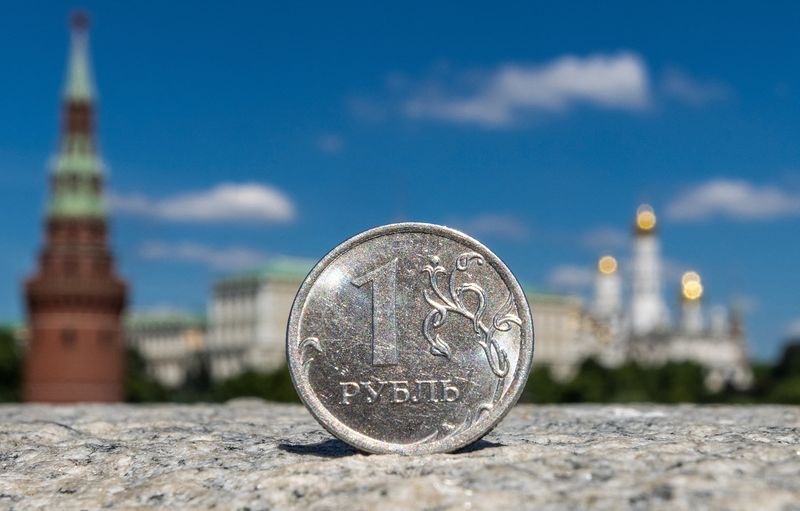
(75, 299)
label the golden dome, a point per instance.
(645, 218)
(690, 276)
(607, 264)
(692, 287)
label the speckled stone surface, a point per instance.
(254, 455)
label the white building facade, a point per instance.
(248, 315)
(169, 342)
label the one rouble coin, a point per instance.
(410, 338)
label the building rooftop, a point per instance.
(295, 269)
(539, 295)
(164, 319)
(278, 268)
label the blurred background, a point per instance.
(170, 173)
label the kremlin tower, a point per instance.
(75, 299)
(649, 312)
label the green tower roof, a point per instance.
(78, 170)
(291, 269)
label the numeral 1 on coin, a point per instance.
(384, 322)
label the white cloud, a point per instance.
(495, 225)
(619, 81)
(568, 276)
(682, 87)
(330, 143)
(734, 198)
(226, 202)
(232, 258)
(606, 238)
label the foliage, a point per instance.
(199, 387)
(10, 367)
(593, 383)
(789, 364)
(781, 384)
(139, 386)
(676, 382)
(786, 391)
(274, 386)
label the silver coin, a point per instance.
(410, 338)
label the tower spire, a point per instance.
(79, 84)
(77, 181)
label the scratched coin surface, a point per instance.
(410, 338)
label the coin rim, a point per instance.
(364, 442)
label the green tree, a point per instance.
(10, 367)
(632, 384)
(784, 384)
(198, 385)
(789, 363)
(139, 386)
(593, 383)
(542, 388)
(680, 382)
(785, 391)
(273, 386)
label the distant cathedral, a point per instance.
(643, 331)
(75, 299)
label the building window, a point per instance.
(68, 337)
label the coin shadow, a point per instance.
(331, 448)
(334, 448)
(478, 446)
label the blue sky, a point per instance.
(233, 134)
